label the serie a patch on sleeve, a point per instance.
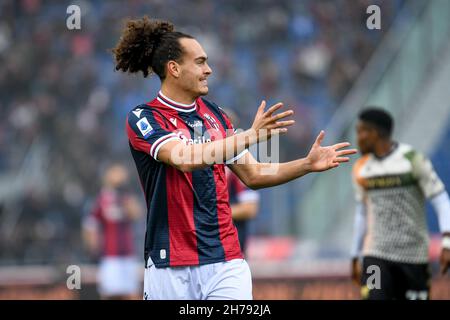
(145, 127)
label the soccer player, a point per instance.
(108, 231)
(392, 181)
(180, 143)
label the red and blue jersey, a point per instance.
(188, 213)
(116, 229)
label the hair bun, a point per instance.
(161, 27)
(141, 40)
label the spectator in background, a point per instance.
(108, 232)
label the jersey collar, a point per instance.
(176, 105)
(393, 149)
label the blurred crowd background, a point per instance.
(63, 106)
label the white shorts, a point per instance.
(118, 276)
(230, 280)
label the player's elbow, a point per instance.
(252, 183)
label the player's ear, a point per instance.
(173, 68)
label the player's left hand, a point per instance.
(445, 261)
(324, 158)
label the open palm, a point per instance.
(324, 158)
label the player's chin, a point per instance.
(203, 90)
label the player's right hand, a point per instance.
(267, 124)
(356, 271)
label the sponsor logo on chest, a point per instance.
(195, 124)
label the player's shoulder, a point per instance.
(214, 106)
(219, 112)
(359, 164)
(210, 103)
(103, 197)
(409, 152)
(148, 111)
(138, 111)
(405, 148)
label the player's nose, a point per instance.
(208, 70)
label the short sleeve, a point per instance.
(429, 182)
(147, 133)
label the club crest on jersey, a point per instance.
(145, 127)
(211, 121)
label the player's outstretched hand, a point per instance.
(324, 158)
(267, 123)
(445, 261)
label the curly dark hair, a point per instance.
(147, 45)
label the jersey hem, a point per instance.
(194, 263)
(395, 259)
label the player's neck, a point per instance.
(383, 148)
(177, 95)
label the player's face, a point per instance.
(194, 69)
(366, 136)
(116, 176)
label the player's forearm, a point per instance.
(441, 205)
(273, 174)
(359, 230)
(199, 156)
(244, 210)
(91, 240)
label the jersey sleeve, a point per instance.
(147, 132)
(429, 182)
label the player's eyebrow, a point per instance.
(201, 59)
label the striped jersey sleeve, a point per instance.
(429, 182)
(147, 131)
